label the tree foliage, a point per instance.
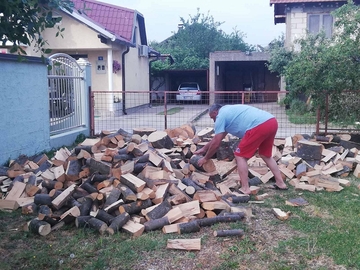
(22, 22)
(322, 66)
(190, 46)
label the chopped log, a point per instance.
(89, 187)
(31, 208)
(85, 206)
(159, 211)
(156, 224)
(98, 225)
(160, 193)
(43, 199)
(183, 210)
(113, 197)
(39, 227)
(191, 183)
(135, 207)
(73, 170)
(133, 182)
(172, 228)
(60, 200)
(208, 166)
(188, 227)
(114, 206)
(160, 139)
(16, 191)
(205, 133)
(70, 215)
(118, 222)
(103, 215)
(216, 205)
(205, 196)
(184, 244)
(98, 166)
(227, 233)
(308, 150)
(135, 229)
(255, 181)
(127, 194)
(174, 190)
(8, 205)
(52, 184)
(143, 131)
(280, 214)
(231, 217)
(82, 221)
(240, 199)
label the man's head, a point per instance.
(213, 111)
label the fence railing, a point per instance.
(129, 110)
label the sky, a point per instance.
(254, 18)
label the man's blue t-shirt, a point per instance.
(237, 119)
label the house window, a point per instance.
(318, 22)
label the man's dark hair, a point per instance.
(214, 107)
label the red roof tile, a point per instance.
(115, 19)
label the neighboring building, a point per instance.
(109, 37)
(241, 71)
(303, 16)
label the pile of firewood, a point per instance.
(150, 180)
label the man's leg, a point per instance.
(242, 167)
(271, 163)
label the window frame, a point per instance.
(321, 24)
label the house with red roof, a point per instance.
(113, 39)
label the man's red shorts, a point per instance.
(259, 138)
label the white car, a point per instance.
(189, 91)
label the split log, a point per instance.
(227, 233)
(184, 244)
(133, 182)
(160, 139)
(156, 224)
(39, 227)
(135, 229)
(127, 194)
(205, 196)
(98, 166)
(118, 222)
(159, 211)
(208, 166)
(113, 197)
(63, 197)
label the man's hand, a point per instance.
(202, 161)
(201, 151)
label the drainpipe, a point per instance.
(150, 62)
(123, 78)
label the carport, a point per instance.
(172, 79)
(242, 71)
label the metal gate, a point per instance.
(66, 81)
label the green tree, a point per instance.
(322, 66)
(22, 22)
(190, 46)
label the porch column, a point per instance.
(110, 79)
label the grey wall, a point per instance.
(24, 108)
